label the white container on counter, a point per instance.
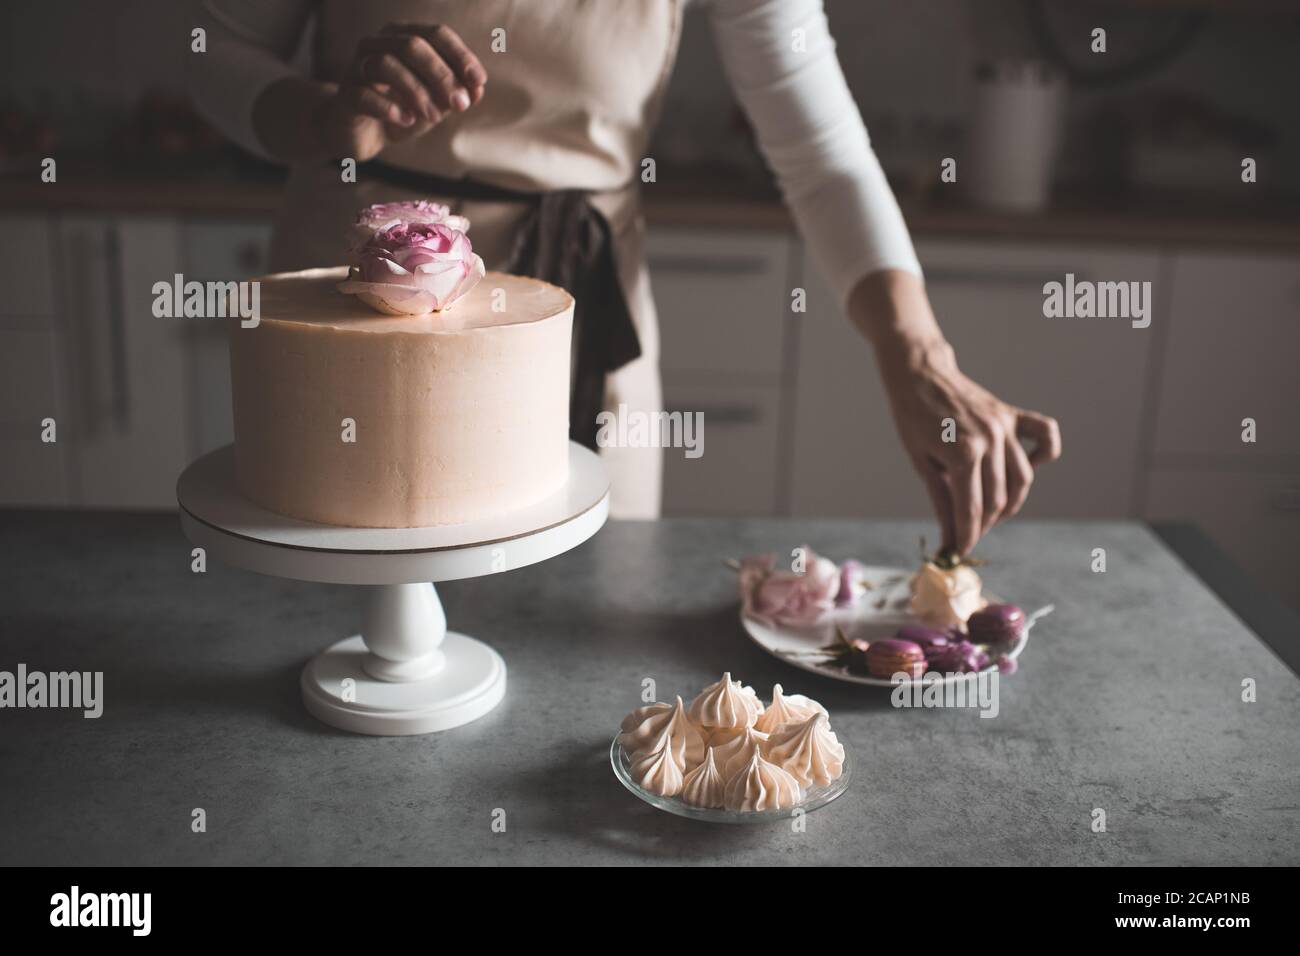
(1015, 135)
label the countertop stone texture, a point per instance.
(1128, 699)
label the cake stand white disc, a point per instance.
(405, 673)
(217, 517)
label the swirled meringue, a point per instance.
(808, 750)
(807, 703)
(762, 786)
(784, 710)
(945, 598)
(645, 727)
(735, 754)
(704, 786)
(726, 705)
(658, 770)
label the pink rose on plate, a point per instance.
(788, 597)
(413, 268)
(384, 215)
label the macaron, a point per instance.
(890, 656)
(996, 624)
(959, 657)
(929, 639)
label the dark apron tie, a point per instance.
(566, 241)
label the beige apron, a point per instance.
(569, 104)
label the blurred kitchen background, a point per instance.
(1125, 166)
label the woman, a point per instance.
(532, 120)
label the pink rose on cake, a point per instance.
(788, 597)
(413, 268)
(383, 215)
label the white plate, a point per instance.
(877, 615)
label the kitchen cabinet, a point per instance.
(127, 404)
(723, 301)
(32, 471)
(216, 251)
(737, 473)
(722, 298)
(1254, 516)
(1231, 354)
(28, 253)
(32, 379)
(1091, 374)
(135, 397)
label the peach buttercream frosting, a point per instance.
(344, 416)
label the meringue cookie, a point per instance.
(726, 705)
(645, 727)
(807, 703)
(722, 736)
(634, 719)
(762, 786)
(944, 598)
(808, 750)
(735, 754)
(658, 771)
(704, 786)
(784, 710)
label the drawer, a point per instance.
(1234, 334)
(222, 251)
(723, 300)
(29, 381)
(737, 472)
(1254, 517)
(26, 269)
(211, 418)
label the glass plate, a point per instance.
(814, 799)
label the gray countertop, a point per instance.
(1128, 699)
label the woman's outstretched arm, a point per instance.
(780, 60)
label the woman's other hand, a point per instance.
(962, 440)
(400, 83)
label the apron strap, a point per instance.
(566, 241)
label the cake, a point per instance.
(347, 416)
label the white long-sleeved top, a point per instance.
(779, 58)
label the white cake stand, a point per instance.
(405, 673)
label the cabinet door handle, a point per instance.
(120, 400)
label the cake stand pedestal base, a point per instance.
(405, 673)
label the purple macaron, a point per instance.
(997, 624)
(959, 657)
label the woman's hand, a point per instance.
(401, 83)
(983, 474)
